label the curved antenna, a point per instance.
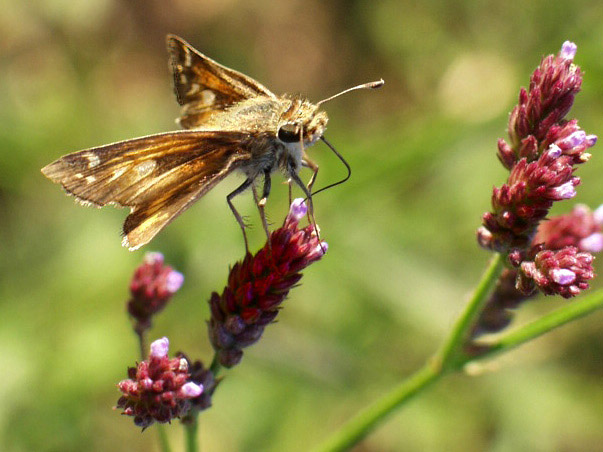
(347, 165)
(369, 85)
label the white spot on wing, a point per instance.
(187, 58)
(145, 168)
(194, 89)
(208, 97)
(93, 159)
(117, 173)
(90, 179)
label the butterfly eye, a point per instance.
(289, 133)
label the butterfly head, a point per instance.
(303, 122)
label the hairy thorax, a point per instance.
(280, 129)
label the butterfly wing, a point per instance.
(203, 86)
(157, 176)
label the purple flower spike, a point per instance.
(541, 154)
(259, 284)
(568, 50)
(159, 348)
(298, 209)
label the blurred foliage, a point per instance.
(402, 257)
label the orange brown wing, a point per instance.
(203, 86)
(157, 176)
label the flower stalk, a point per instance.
(451, 358)
(541, 155)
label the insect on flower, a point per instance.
(230, 121)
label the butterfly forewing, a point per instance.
(157, 176)
(204, 86)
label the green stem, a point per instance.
(448, 359)
(567, 313)
(215, 365)
(164, 444)
(366, 420)
(190, 430)
(449, 355)
(141, 343)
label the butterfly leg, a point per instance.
(244, 186)
(261, 203)
(313, 166)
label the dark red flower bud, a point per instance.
(152, 286)
(259, 284)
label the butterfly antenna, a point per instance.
(370, 85)
(347, 165)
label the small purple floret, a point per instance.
(591, 140)
(174, 281)
(565, 191)
(159, 348)
(568, 50)
(321, 249)
(146, 383)
(593, 243)
(554, 151)
(576, 138)
(563, 276)
(191, 390)
(598, 215)
(298, 208)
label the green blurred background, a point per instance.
(402, 257)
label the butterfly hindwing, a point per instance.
(203, 86)
(157, 176)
